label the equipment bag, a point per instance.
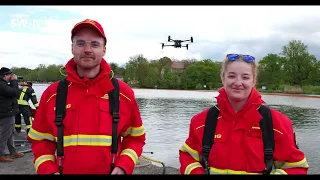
(61, 98)
(266, 127)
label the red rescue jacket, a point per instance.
(238, 145)
(87, 127)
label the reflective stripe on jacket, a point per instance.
(27, 93)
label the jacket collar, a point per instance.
(100, 85)
(72, 76)
(248, 111)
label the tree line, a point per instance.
(292, 70)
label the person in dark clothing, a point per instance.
(8, 110)
(25, 94)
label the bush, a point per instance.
(311, 89)
(293, 89)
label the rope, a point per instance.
(112, 74)
(62, 67)
(156, 161)
(25, 142)
(22, 142)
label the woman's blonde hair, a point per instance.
(226, 62)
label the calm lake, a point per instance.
(167, 113)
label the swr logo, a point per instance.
(218, 136)
(67, 106)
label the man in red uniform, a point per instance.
(88, 123)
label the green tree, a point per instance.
(298, 62)
(271, 71)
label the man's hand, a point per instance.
(56, 173)
(118, 170)
(13, 77)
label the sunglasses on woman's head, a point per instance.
(247, 58)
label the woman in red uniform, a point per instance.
(238, 145)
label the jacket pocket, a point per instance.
(70, 121)
(219, 151)
(105, 117)
(254, 150)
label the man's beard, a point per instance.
(94, 63)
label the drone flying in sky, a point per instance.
(177, 43)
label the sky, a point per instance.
(33, 35)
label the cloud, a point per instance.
(41, 34)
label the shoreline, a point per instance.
(216, 91)
(262, 93)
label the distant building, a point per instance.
(177, 66)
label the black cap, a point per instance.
(29, 83)
(5, 71)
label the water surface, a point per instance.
(167, 114)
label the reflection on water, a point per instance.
(301, 118)
(306, 124)
(167, 114)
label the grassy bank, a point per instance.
(310, 90)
